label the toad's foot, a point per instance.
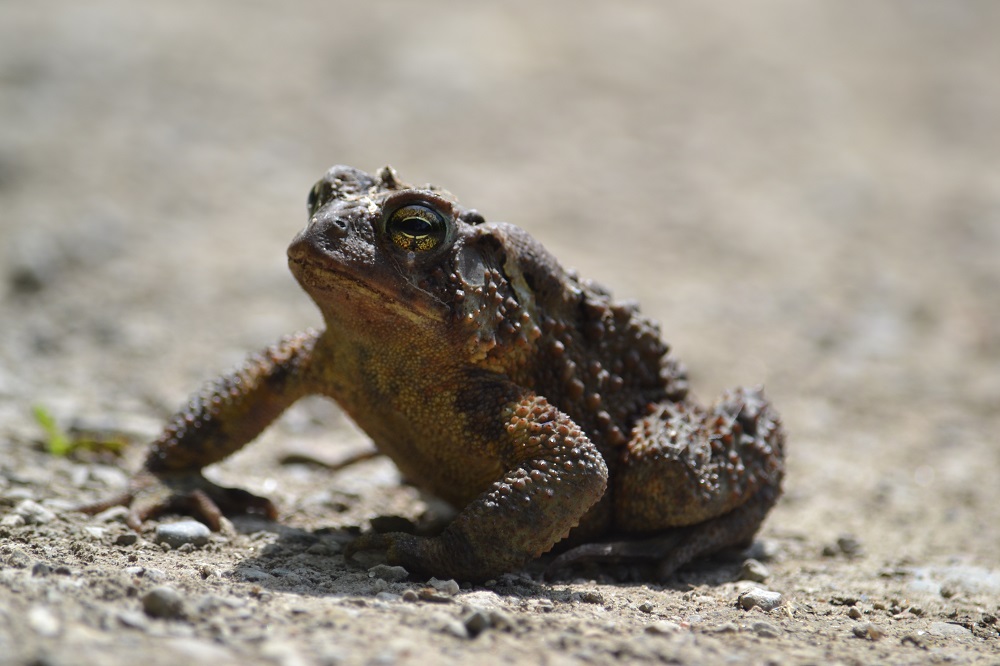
(676, 547)
(150, 495)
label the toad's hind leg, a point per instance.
(714, 473)
(717, 470)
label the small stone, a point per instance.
(388, 573)
(766, 630)
(17, 558)
(163, 602)
(43, 621)
(34, 513)
(13, 520)
(868, 630)
(663, 627)
(947, 629)
(844, 600)
(41, 569)
(646, 607)
(449, 587)
(764, 599)
(132, 619)
(96, 533)
(154, 575)
(410, 595)
(726, 628)
(183, 532)
(854, 613)
(116, 514)
(850, 545)
(208, 571)
(501, 620)
(476, 622)
(127, 539)
(324, 548)
(455, 628)
(590, 597)
(754, 571)
(763, 550)
(252, 575)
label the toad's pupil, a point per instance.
(414, 226)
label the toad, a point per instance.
(525, 396)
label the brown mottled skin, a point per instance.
(495, 379)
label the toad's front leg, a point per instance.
(218, 421)
(554, 475)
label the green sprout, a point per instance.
(58, 442)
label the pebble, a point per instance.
(850, 545)
(388, 573)
(761, 598)
(127, 539)
(763, 550)
(766, 630)
(154, 575)
(208, 571)
(183, 532)
(476, 622)
(947, 629)
(501, 620)
(12, 520)
(449, 587)
(847, 544)
(34, 513)
(868, 630)
(455, 628)
(663, 627)
(96, 533)
(116, 514)
(324, 548)
(164, 602)
(252, 575)
(132, 619)
(17, 558)
(43, 621)
(590, 597)
(753, 570)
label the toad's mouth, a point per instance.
(334, 287)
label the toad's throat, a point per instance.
(325, 280)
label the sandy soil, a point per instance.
(804, 194)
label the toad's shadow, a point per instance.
(312, 563)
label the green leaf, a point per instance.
(56, 441)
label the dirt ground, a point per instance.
(805, 195)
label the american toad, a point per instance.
(495, 379)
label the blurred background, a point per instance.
(805, 195)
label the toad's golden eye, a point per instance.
(416, 228)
